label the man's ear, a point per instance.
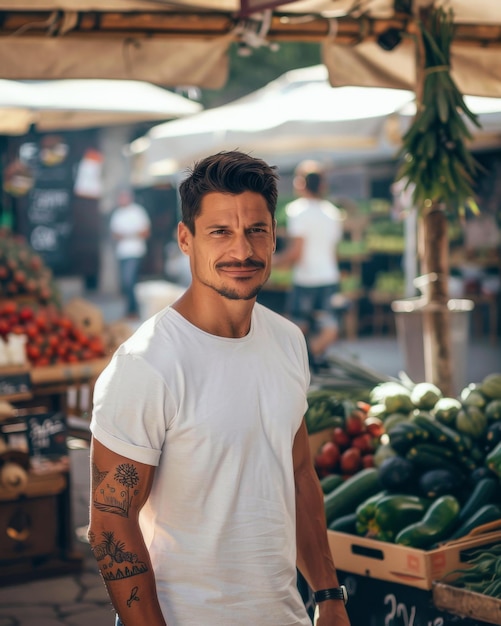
(274, 235)
(183, 238)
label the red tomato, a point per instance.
(42, 321)
(328, 456)
(9, 307)
(31, 330)
(26, 313)
(350, 461)
(33, 352)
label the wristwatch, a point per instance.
(334, 593)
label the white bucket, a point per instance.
(154, 295)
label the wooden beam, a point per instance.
(192, 23)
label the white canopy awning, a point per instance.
(77, 104)
(185, 42)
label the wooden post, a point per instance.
(433, 251)
(436, 315)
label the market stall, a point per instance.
(50, 357)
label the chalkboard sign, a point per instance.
(48, 215)
(15, 384)
(374, 602)
(46, 434)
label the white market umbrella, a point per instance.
(297, 113)
(85, 103)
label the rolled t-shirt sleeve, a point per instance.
(132, 409)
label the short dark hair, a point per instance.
(313, 174)
(230, 172)
(313, 182)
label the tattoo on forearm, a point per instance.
(110, 498)
(114, 561)
(133, 596)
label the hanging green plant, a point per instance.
(435, 154)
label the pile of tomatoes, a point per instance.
(51, 337)
(351, 446)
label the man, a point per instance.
(204, 498)
(130, 228)
(314, 228)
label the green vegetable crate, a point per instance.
(466, 603)
(401, 564)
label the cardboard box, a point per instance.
(401, 564)
(466, 603)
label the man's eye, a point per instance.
(257, 229)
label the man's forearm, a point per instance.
(128, 576)
(314, 558)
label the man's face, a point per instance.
(233, 244)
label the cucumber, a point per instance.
(426, 461)
(353, 491)
(440, 432)
(436, 525)
(330, 482)
(403, 435)
(345, 524)
(484, 515)
(483, 493)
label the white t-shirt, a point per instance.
(319, 224)
(218, 416)
(128, 222)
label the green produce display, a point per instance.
(436, 465)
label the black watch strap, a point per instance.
(334, 593)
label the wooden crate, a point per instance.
(466, 603)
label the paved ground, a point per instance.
(80, 599)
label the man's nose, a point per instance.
(242, 247)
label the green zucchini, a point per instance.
(394, 512)
(437, 524)
(426, 461)
(483, 493)
(440, 432)
(403, 435)
(345, 524)
(353, 491)
(484, 515)
(365, 511)
(330, 482)
(493, 460)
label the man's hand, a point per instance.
(331, 613)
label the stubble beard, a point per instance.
(233, 294)
(230, 293)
